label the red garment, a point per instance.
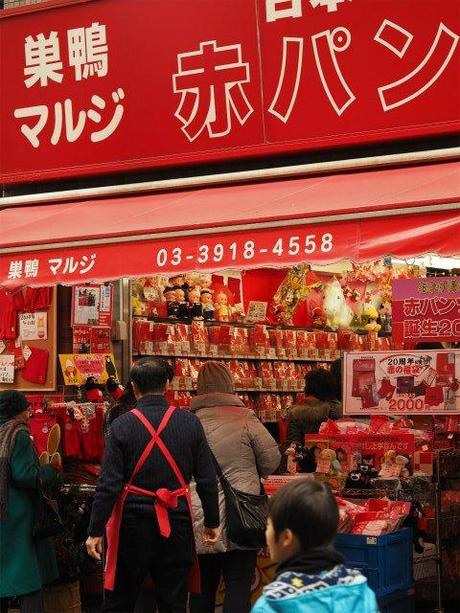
(92, 441)
(164, 500)
(37, 299)
(283, 425)
(36, 366)
(10, 305)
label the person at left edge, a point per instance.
(25, 564)
(150, 458)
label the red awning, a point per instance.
(362, 215)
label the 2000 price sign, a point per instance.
(246, 250)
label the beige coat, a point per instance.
(244, 449)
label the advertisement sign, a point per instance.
(6, 368)
(353, 450)
(426, 309)
(33, 326)
(398, 383)
(92, 305)
(77, 368)
(206, 80)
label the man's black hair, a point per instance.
(150, 375)
(307, 508)
(321, 384)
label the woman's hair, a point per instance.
(336, 372)
(320, 384)
(125, 403)
(307, 508)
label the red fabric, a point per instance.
(361, 191)
(40, 425)
(164, 500)
(260, 285)
(10, 305)
(37, 299)
(36, 366)
(283, 425)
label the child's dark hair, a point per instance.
(307, 508)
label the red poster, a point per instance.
(426, 309)
(83, 93)
(92, 305)
(402, 382)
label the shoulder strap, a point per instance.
(222, 478)
(163, 423)
(154, 436)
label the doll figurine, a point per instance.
(172, 305)
(205, 282)
(223, 309)
(328, 463)
(183, 304)
(388, 463)
(196, 308)
(291, 453)
(207, 305)
(400, 467)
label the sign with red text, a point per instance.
(398, 383)
(426, 309)
(77, 368)
(82, 93)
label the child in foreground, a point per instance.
(311, 575)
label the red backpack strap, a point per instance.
(154, 434)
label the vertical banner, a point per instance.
(398, 383)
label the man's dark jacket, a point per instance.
(184, 437)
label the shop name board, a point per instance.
(426, 309)
(207, 80)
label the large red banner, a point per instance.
(104, 85)
(253, 248)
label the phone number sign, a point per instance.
(236, 249)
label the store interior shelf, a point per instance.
(246, 389)
(233, 357)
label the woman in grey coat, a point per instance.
(246, 452)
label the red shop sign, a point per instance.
(83, 92)
(426, 309)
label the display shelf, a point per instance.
(245, 389)
(232, 357)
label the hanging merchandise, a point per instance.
(36, 365)
(299, 282)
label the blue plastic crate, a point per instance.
(385, 560)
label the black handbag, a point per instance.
(48, 522)
(246, 514)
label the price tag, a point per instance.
(26, 352)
